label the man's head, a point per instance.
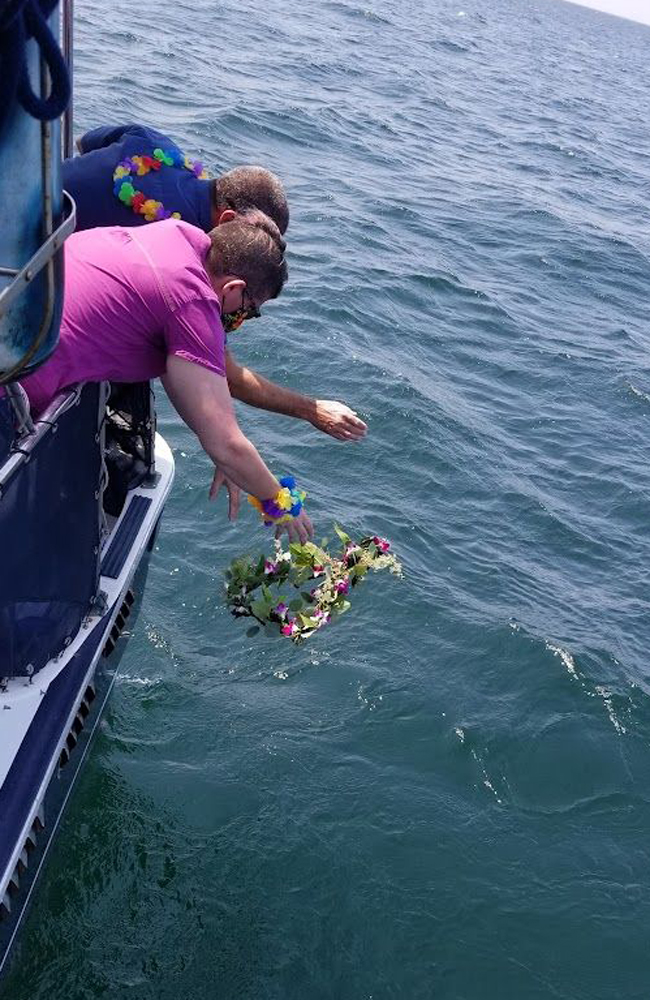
(246, 265)
(246, 188)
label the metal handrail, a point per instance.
(42, 425)
(23, 276)
(67, 12)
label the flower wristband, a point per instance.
(284, 506)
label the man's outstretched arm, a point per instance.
(326, 415)
(202, 399)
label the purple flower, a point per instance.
(343, 586)
(281, 609)
(270, 567)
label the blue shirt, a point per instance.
(89, 179)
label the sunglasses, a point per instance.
(251, 311)
(232, 321)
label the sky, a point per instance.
(635, 10)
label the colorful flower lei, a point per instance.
(284, 506)
(123, 189)
(254, 586)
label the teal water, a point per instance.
(448, 794)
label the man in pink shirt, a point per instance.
(153, 301)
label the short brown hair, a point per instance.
(244, 188)
(250, 248)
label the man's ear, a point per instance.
(233, 285)
(227, 215)
(231, 292)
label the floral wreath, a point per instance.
(152, 210)
(254, 586)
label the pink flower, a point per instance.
(343, 586)
(269, 566)
(382, 544)
(318, 570)
(350, 551)
(289, 628)
(320, 617)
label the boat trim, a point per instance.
(122, 540)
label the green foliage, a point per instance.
(342, 535)
(253, 586)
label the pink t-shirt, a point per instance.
(132, 297)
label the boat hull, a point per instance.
(60, 708)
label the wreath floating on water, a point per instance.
(299, 590)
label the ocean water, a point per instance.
(447, 795)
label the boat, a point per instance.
(82, 491)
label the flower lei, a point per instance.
(152, 210)
(254, 586)
(284, 506)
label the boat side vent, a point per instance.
(78, 723)
(22, 864)
(118, 625)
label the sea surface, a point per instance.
(446, 795)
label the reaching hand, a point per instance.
(234, 492)
(300, 529)
(338, 420)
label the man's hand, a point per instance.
(299, 529)
(234, 493)
(338, 420)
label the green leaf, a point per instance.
(324, 543)
(253, 630)
(260, 608)
(342, 535)
(307, 621)
(295, 605)
(307, 596)
(316, 553)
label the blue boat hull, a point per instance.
(81, 690)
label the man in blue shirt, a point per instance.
(172, 181)
(156, 173)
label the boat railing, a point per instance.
(52, 526)
(31, 276)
